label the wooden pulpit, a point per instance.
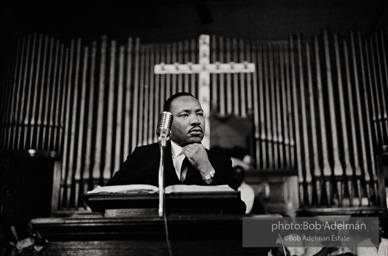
(196, 223)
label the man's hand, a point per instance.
(196, 153)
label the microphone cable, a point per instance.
(167, 234)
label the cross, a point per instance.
(204, 68)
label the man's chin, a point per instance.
(195, 140)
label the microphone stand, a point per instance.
(162, 146)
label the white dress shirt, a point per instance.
(177, 160)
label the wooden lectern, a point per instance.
(214, 203)
(197, 223)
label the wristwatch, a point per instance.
(209, 176)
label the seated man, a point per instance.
(184, 149)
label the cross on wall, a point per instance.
(204, 68)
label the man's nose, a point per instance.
(194, 120)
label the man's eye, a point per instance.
(200, 114)
(184, 115)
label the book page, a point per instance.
(197, 188)
(145, 188)
(133, 188)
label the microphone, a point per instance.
(164, 125)
(163, 131)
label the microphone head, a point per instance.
(164, 125)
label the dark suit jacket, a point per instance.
(142, 167)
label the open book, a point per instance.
(145, 188)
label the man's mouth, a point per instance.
(195, 131)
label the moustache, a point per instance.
(196, 128)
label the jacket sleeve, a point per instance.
(224, 173)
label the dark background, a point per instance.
(172, 20)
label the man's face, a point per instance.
(188, 125)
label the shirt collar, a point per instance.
(175, 149)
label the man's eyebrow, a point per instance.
(184, 111)
(189, 110)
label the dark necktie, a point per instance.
(184, 169)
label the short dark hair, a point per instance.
(167, 104)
